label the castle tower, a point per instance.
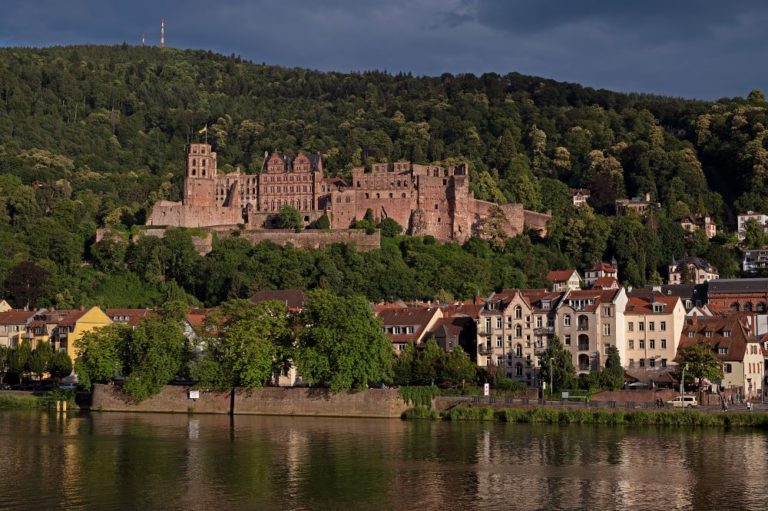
(200, 176)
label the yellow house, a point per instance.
(70, 325)
(4, 305)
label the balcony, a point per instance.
(544, 330)
(484, 349)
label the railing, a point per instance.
(484, 349)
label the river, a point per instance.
(160, 461)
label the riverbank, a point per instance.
(15, 400)
(541, 415)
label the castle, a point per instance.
(424, 199)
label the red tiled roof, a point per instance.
(605, 267)
(133, 316)
(292, 298)
(735, 342)
(644, 305)
(605, 283)
(560, 275)
(15, 317)
(416, 317)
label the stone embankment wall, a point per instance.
(266, 401)
(315, 239)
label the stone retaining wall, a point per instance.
(266, 401)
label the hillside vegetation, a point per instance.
(93, 135)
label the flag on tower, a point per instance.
(204, 130)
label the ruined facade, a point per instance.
(424, 199)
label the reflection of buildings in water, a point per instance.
(295, 450)
(573, 467)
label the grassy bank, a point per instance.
(17, 401)
(629, 418)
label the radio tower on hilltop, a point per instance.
(162, 33)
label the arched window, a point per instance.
(735, 307)
(567, 320)
(583, 362)
(748, 307)
(760, 307)
(519, 369)
(583, 322)
(518, 312)
(583, 342)
(519, 350)
(518, 331)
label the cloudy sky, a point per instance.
(691, 48)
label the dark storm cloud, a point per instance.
(693, 48)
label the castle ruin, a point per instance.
(424, 199)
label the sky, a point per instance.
(704, 49)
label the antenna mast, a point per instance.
(162, 33)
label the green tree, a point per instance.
(154, 354)
(390, 228)
(342, 343)
(290, 218)
(429, 364)
(60, 365)
(403, 366)
(102, 354)
(40, 359)
(700, 363)
(457, 368)
(245, 345)
(754, 236)
(557, 366)
(612, 376)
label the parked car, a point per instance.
(68, 386)
(683, 402)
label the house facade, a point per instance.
(691, 270)
(564, 280)
(652, 328)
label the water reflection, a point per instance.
(157, 461)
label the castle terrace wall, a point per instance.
(315, 238)
(385, 403)
(176, 214)
(536, 221)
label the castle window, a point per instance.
(194, 172)
(378, 195)
(391, 195)
(203, 172)
(435, 206)
(194, 162)
(347, 200)
(202, 162)
(403, 195)
(445, 182)
(367, 195)
(438, 220)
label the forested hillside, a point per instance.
(92, 136)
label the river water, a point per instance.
(158, 461)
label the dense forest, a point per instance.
(92, 136)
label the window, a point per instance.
(631, 344)
(519, 370)
(499, 343)
(652, 362)
(663, 344)
(691, 334)
(518, 331)
(498, 322)
(567, 320)
(642, 344)
(642, 362)
(607, 311)
(606, 329)
(538, 321)
(518, 312)
(641, 326)
(409, 330)
(663, 326)
(726, 333)
(722, 350)
(631, 326)
(727, 368)
(567, 340)
(519, 350)
(499, 361)
(631, 363)
(651, 326)
(652, 344)
(487, 324)
(663, 362)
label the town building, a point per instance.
(68, 326)
(13, 327)
(458, 328)
(605, 283)
(564, 280)
(588, 322)
(4, 305)
(754, 260)
(744, 218)
(734, 295)
(130, 317)
(404, 325)
(293, 299)
(695, 223)
(740, 352)
(514, 329)
(424, 199)
(579, 196)
(691, 270)
(639, 205)
(652, 327)
(601, 270)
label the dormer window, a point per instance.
(726, 333)
(693, 334)
(708, 333)
(722, 350)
